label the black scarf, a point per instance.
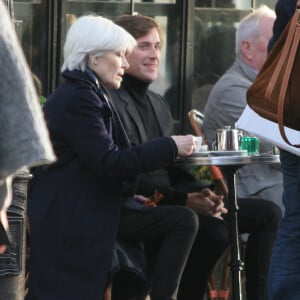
(119, 133)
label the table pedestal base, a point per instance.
(236, 262)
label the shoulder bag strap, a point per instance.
(288, 51)
(284, 54)
(285, 82)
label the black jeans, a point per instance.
(259, 218)
(168, 233)
(212, 240)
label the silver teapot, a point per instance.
(228, 139)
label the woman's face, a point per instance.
(110, 68)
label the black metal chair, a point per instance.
(213, 292)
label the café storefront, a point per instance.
(198, 47)
(198, 41)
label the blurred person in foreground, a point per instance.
(227, 101)
(76, 204)
(146, 116)
(284, 276)
(24, 140)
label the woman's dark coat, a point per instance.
(74, 204)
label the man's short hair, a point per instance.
(138, 25)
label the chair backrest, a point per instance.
(196, 120)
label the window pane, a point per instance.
(214, 41)
(168, 15)
(215, 25)
(31, 22)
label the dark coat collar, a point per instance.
(132, 112)
(126, 106)
(80, 76)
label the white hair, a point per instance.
(250, 26)
(93, 35)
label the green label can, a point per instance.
(251, 144)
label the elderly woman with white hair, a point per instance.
(74, 205)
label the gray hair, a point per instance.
(93, 35)
(250, 25)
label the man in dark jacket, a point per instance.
(145, 116)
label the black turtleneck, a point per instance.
(158, 179)
(138, 91)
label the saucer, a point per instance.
(201, 153)
(229, 153)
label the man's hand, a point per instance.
(206, 202)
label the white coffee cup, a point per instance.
(203, 148)
(198, 143)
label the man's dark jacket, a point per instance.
(179, 181)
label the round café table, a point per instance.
(230, 164)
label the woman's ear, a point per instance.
(93, 60)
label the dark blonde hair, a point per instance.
(138, 25)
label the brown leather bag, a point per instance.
(275, 93)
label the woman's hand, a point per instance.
(142, 199)
(186, 144)
(149, 201)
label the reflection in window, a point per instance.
(168, 13)
(214, 53)
(215, 23)
(156, 1)
(31, 23)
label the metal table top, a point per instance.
(228, 160)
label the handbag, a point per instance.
(275, 93)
